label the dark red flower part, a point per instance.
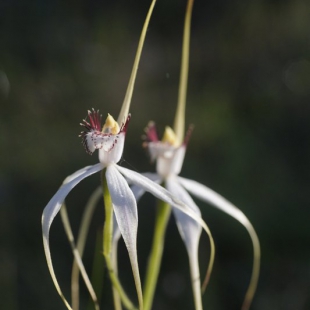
(125, 125)
(93, 138)
(151, 133)
(188, 134)
(94, 121)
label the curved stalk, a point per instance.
(86, 219)
(77, 256)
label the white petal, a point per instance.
(159, 148)
(171, 165)
(160, 192)
(51, 211)
(139, 191)
(114, 154)
(75, 174)
(210, 196)
(204, 193)
(125, 210)
(190, 231)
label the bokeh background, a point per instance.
(248, 97)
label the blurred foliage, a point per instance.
(248, 96)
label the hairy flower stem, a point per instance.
(162, 217)
(107, 245)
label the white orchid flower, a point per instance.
(110, 143)
(119, 198)
(169, 154)
(109, 140)
(169, 158)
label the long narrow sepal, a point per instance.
(127, 100)
(190, 232)
(139, 191)
(179, 121)
(51, 210)
(164, 195)
(126, 213)
(206, 194)
(107, 244)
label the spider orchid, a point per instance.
(169, 154)
(110, 143)
(118, 197)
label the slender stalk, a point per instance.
(255, 272)
(179, 121)
(127, 100)
(194, 270)
(97, 273)
(162, 217)
(107, 244)
(81, 240)
(116, 297)
(77, 256)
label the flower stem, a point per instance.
(179, 121)
(162, 217)
(107, 245)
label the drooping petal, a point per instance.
(75, 174)
(190, 231)
(125, 210)
(138, 191)
(51, 211)
(206, 194)
(162, 194)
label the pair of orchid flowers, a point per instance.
(121, 200)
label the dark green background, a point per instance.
(248, 97)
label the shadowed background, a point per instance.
(248, 97)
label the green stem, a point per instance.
(98, 268)
(162, 217)
(107, 244)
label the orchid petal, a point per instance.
(190, 231)
(162, 194)
(75, 174)
(51, 211)
(125, 210)
(138, 191)
(208, 195)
